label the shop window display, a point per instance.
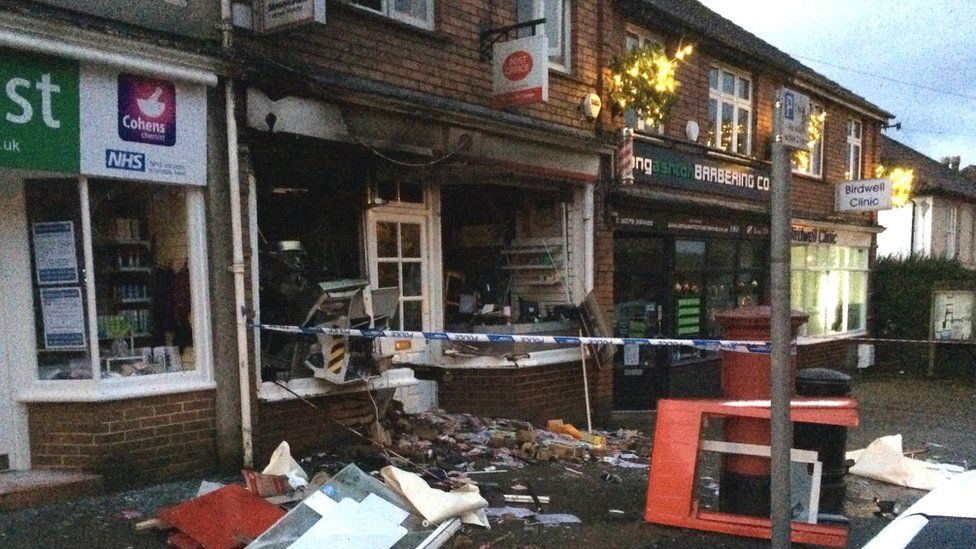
(829, 283)
(139, 240)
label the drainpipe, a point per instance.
(240, 306)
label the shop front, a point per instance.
(830, 265)
(105, 334)
(406, 223)
(690, 239)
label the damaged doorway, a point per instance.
(398, 257)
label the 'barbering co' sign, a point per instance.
(520, 72)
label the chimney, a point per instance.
(951, 162)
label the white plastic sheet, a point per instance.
(437, 505)
(884, 460)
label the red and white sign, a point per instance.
(520, 72)
(625, 159)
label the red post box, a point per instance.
(746, 376)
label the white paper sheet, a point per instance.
(320, 503)
(382, 508)
(348, 524)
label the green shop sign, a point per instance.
(39, 112)
(655, 165)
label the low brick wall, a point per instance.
(535, 394)
(308, 429)
(127, 441)
(834, 355)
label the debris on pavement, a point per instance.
(884, 460)
(223, 519)
(546, 519)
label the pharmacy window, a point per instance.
(556, 28)
(633, 39)
(729, 111)
(810, 160)
(119, 280)
(419, 13)
(853, 171)
(830, 283)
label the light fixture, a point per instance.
(692, 130)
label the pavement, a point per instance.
(933, 415)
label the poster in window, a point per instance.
(55, 257)
(63, 313)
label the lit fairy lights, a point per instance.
(901, 183)
(802, 160)
(644, 79)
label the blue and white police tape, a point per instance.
(761, 347)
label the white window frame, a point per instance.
(922, 219)
(32, 389)
(560, 56)
(855, 150)
(845, 281)
(952, 232)
(642, 39)
(737, 103)
(818, 147)
(387, 10)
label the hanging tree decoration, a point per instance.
(644, 80)
(902, 180)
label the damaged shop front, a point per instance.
(691, 238)
(362, 218)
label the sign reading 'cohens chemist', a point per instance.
(654, 165)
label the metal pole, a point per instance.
(781, 439)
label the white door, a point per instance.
(14, 312)
(398, 256)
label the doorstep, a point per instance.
(19, 489)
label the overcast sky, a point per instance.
(894, 53)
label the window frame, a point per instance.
(845, 272)
(737, 103)
(855, 142)
(815, 108)
(560, 58)
(387, 10)
(99, 387)
(952, 232)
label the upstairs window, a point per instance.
(810, 161)
(853, 150)
(556, 28)
(633, 39)
(419, 13)
(729, 111)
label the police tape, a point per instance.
(760, 347)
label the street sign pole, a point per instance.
(781, 436)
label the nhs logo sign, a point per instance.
(125, 160)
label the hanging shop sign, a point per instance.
(684, 224)
(62, 116)
(275, 15)
(654, 165)
(866, 195)
(794, 119)
(520, 72)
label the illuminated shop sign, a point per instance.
(654, 165)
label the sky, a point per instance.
(914, 58)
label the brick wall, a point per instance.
(828, 354)
(444, 62)
(127, 441)
(535, 394)
(309, 429)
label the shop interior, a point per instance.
(673, 286)
(507, 256)
(142, 282)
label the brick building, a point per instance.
(113, 193)
(479, 218)
(679, 243)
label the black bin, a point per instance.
(829, 441)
